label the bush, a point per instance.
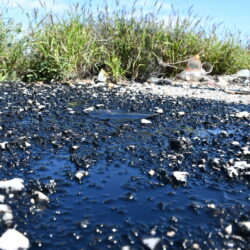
(80, 42)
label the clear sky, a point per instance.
(235, 14)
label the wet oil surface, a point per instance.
(120, 203)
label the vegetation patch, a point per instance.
(82, 41)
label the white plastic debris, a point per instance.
(13, 185)
(80, 174)
(102, 77)
(151, 243)
(145, 121)
(180, 176)
(13, 240)
(41, 196)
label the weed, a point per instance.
(126, 43)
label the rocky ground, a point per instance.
(143, 166)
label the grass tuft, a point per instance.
(126, 43)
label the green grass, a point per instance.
(80, 42)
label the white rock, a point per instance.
(145, 121)
(211, 205)
(14, 185)
(235, 143)
(80, 174)
(241, 165)
(126, 248)
(159, 111)
(229, 229)
(151, 172)
(13, 240)
(87, 110)
(244, 226)
(151, 243)
(3, 145)
(180, 176)
(7, 217)
(5, 208)
(243, 114)
(171, 234)
(2, 198)
(181, 113)
(232, 172)
(41, 196)
(246, 150)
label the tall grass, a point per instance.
(126, 43)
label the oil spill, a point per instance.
(111, 184)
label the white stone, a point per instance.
(241, 165)
(232, 172)
(87, 110)
(245, 226)
(229, 229)
(5, 208)
(41, 196)
(180, 176)
(243, 114)
(151, 172)
(171, 234)
(211, 205)
(145, 121)
(3, 145)
(80, 174)
(14, 185)
(181, 113)
(159, 111)
(126, 248)
(13, 240)
(246, 150)
(151, 243)
(235, 143)
(2, 198)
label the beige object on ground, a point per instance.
(194, 63)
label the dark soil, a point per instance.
(130, 193)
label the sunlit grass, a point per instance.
(126, 43)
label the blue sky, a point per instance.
(235, 14)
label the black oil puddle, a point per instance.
(129, 193)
